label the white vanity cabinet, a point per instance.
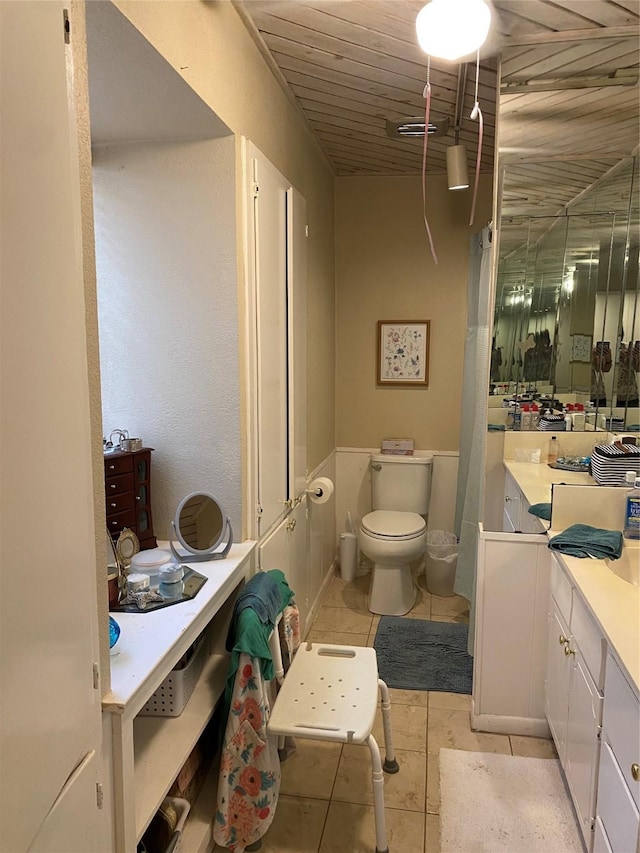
(617, 817)
(574, 684)
(516, 516)
(149, 751)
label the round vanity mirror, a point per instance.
(201, 526)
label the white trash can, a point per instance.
(348, 556)
(440, 562)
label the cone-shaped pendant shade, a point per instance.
(457, 175)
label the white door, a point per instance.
(297, 340)
(270, 270)
(276, 261)
(50, 709)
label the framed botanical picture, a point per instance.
(403, 352)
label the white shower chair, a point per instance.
(331, 693)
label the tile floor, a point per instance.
(325, 803)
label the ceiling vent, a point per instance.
(414, 126)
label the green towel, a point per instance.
(541, 511)
(581, 540)
(252, 635)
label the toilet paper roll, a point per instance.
(320, 490)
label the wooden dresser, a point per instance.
(127, 478)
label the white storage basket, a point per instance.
(172, 695)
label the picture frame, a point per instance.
(403, 353)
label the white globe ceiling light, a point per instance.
(449, 29)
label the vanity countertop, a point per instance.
(535, 479)
(615, 603)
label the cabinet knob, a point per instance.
(562, 639)
(112, 486)
(113, 506)
(568, 651)
(112, 467)
(635, 772)
(291, 524)
(507, 499)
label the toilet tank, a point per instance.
(401, 483)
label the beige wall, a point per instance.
(209, 46)
(384, 271)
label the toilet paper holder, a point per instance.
(320, 490)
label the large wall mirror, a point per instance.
(567, 312)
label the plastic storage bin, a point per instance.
(172, 695)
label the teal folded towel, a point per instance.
(581, 540)
(541, 511)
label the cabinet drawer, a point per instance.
(616, 808)
(118, 485)
(117, 522)
(589, 640)
(119, 502)
(560, 589)
(117, 465)
(621, 709)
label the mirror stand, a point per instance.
(195, 557)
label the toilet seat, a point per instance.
(392, 525)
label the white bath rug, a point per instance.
(493, 803)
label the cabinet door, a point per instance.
(76, 824)
(557, 681)
(583, 744)
(512, 498)
(48, 618)
(286, 549)
(617, 811)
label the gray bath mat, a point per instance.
(418, 654)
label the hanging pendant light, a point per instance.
(450, 29)
(457, 172)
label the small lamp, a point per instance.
(449, 29)
(457, 174)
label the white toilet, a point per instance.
(394, 534)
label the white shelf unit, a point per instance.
(148, 752)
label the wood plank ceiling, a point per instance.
(565, 117)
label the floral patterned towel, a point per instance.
(250, 769)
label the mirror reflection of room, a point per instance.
(567, 317)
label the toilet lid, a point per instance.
(393, 525)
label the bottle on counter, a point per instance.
(525, 417)
(568, 422)
(535, 416)
(554, 450)
(632, 512)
